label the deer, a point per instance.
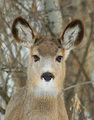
(42, 97)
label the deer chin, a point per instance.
(44, 88)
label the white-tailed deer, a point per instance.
(41, 97)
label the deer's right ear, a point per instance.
(22, 32)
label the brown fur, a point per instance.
(48, 46)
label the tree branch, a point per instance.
(82, 83)
(83, 70)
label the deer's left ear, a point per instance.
(72, 36)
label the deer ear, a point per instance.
(22, 32)
(72, 36)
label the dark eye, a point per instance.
(36, 58)
(59, 58)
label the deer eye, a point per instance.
(36, 58)
(59, 58)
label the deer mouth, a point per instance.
(47, 76)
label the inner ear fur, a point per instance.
(81, 32)
(14, 30)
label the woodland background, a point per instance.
(49, 17)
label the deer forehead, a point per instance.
(47, 46)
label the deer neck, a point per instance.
(47, 106)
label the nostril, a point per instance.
(47, 76)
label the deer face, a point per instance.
(46, 69)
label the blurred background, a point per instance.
(49, 18)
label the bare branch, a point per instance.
(82, 83)
(83, 70)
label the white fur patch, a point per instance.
(46, 88)
(25, 35)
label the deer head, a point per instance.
(47, 56)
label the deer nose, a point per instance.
(47, 76)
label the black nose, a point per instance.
(47, 76)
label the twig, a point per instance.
(83, 70)
(82, 83)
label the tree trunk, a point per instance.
(54, 17)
